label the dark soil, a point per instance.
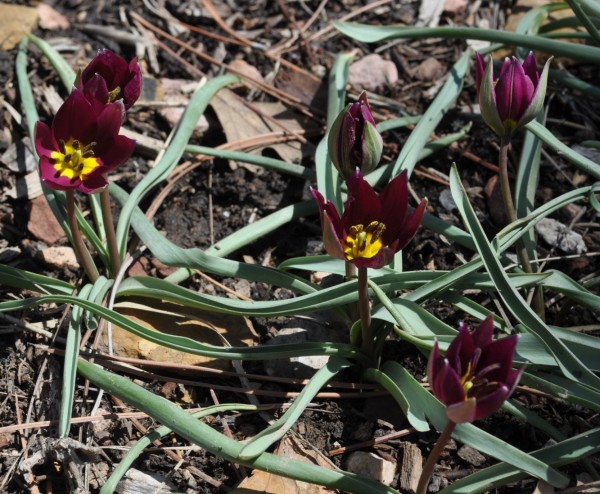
(31, 365)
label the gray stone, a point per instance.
(372, 466)
(558, 235)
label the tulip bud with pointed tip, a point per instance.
(515, 98)
(354, 141)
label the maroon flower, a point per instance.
(372, 228)
(354, 141)
(475, 377)
(515, 98)
(82, 145)
(108, 78)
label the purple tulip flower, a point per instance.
(515, 98)
(354, 141)
(81, 146)
(372, 227)
(109, 78)
(476, 376)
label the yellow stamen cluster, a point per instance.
(74, 160)
(364, 242)
(114, 95)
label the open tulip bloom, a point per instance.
(81, 146)
(476, 376)
(515, 98)
(109, 78)
(372, 227)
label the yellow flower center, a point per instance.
(74, 160)
(114, 94)
(364, 242)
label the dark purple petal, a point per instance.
(331, 240)
(504, 90)
(75, 119)
(329, 210)
(133, 89)
(522, 92)
(531, 69)
(501, 353)
(365, 108)
(44, 143)
(479, 71)
(411, 225)
(447, 386)
(118, 153)
(52, 179)
(491, 402)
(363, 205)
(394, 203)
(109, 65)
(109, 123)
(96, 92)
(93, 183)
(482, 335)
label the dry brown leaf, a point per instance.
(240, 122)
(16, 21)
(260, 481)
(205, 327)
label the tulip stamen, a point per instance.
(114, 95)
(364, 242)
(74, 161)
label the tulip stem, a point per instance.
(365, 311)
(511, 213)
(109, 230)
(433, 457)
(80, 250)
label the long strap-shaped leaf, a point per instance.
(586, 164)
(374, 34)
(192, 346)
(267, 437)
(568, 362)
(182, 423)
(568, 451)
(180, 137)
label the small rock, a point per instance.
(428, 69)
(364, 431)
(447, 201)
(60, 257)
(372, 72)
(42, 224)
(558, 235)
(455, 6)
(372, 466)
(471, 456)
(139, 267)
(137, 482)
(51, 19)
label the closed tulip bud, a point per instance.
(515, 98)
(354, 141)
